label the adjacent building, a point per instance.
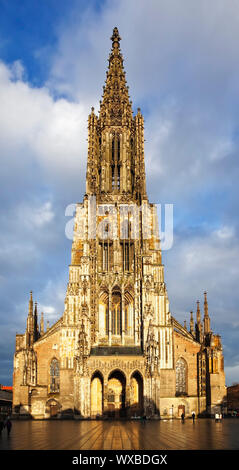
(5, 400)
(233, 399)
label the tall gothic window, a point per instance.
(115, 163)
(106, 255)
(54, 376)
(126, 319)
(116, 314)
(118, 150)
(118, 177)
(105, 261)
(181, 377)
(113, 149)
(107, 319)
(113, 177)
(127, 255)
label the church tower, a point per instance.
(116, 292)
(116, 351)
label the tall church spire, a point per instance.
(198, 324)
(42, 324)
(30, 323)
(115, 109)
(206, 319)
(36, 329)
(115, 165)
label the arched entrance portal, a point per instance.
(116, 394)
(53, 407)
(96, 395)
(136, 399)
(181, 409)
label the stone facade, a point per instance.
(117, 351)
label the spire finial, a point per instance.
(205, 304)
(206, 319)
(115, 36)
(198, 312)
(30, 310)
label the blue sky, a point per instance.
(182, 67)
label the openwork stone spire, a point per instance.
(115, 109)
(115, 167)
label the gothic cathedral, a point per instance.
(117, 352)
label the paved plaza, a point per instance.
(118, 435)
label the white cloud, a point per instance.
(35, 127)
(203, 261)
(222, 149)
(17, 70)
(232, 374)
(36, 216)
(225, 232)
(49, 310)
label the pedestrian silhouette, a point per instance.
(1, 425)
(182, 417)
(193, 416)
(9, 426)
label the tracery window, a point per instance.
(127, 255)
(106, 255)
(115, 163)
(181, 377)
(118, 150)
(107, 319)
(54, 376)
(105, 261)
(126, 319)
(116, 314)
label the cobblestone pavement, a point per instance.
(88, 435)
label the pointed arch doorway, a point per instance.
(116, 395)
(96, 395)
(137, 394)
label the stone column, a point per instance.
(105, 398)
(110, 317)
(123, 315)
(127, 398)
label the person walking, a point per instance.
(1, 425)
(182, 417)
(8, 426)
(193, 416)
